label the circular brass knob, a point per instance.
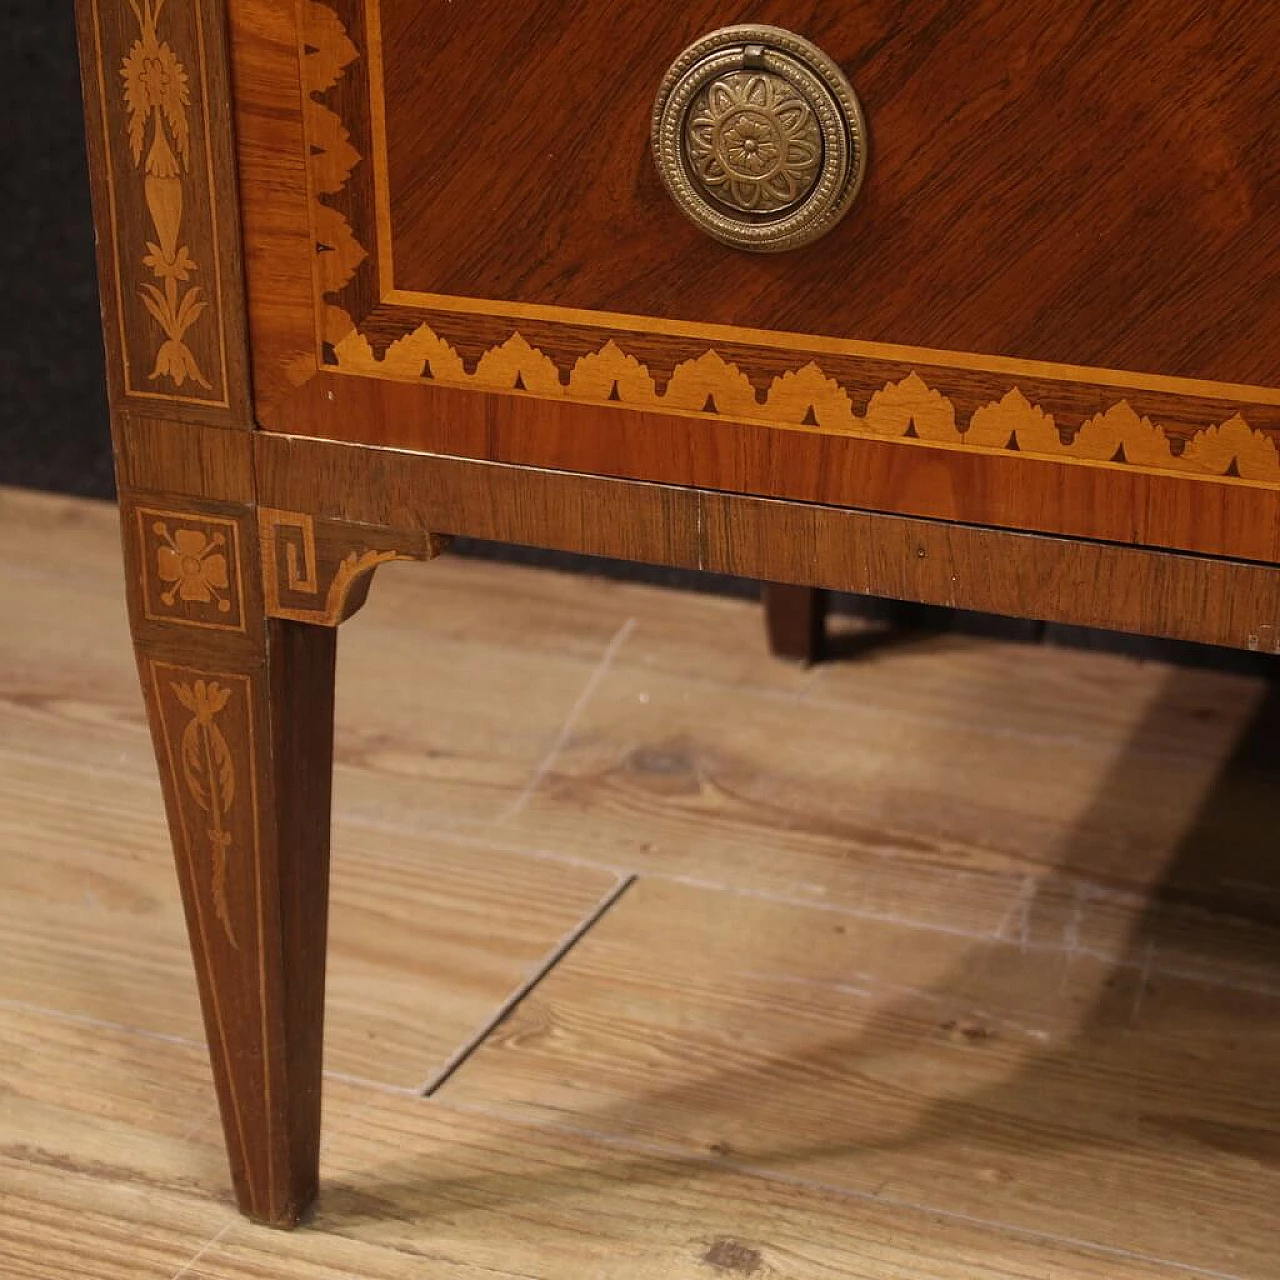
(759, 138)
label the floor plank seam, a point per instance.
(129, 774)
(184, 1042)
(866, 986)
(763, 1173)
(209, 1244)
(1048, 878)
(100, 1024)
(455, 1061)
(1000, 933)
(1068, 950)
(377, 1086)
(459, 836)
(539, 775)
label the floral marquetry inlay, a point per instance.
(193, 566)
(331, 159)
(806, 399)
(157, 98)
(191, 571)
(209, 775)
(205, 733)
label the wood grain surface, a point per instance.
(509, 1199)
(163, 455)
(241, 714)
(762, 1036)
(1080, 194)
(1090, 584)
(1081, 428)
(1013, 909)
(1010, 490)
(1132, 383)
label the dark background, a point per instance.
(54, 432)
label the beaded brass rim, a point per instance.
(759, 138)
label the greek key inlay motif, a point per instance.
(288, 541)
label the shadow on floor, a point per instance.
(1167, 1063)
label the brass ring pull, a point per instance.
(759, 138)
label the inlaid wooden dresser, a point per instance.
(970, 303)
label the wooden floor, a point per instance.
(957, 960)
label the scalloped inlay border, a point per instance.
(807, 400)
(709, 386)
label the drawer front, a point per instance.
(1048, 307)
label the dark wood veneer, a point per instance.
(1047, 181)
(1009, 490)
(795, 621)
(1055, 579)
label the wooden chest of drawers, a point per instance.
(971, 304)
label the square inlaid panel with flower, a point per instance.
(191, 569)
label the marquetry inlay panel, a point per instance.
(201, 715)
(826, 386)
(321, 575)
(191, 569)
(155, 82)
(807, 399)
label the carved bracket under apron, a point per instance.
(198, 613)
(320, 571)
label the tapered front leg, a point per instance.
(241, 712)
(234, 611)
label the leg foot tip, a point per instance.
(286, 1217)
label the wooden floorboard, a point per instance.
(1048, 1091)
(954, 959)
(418, 1188)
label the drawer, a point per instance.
(1051, 305)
